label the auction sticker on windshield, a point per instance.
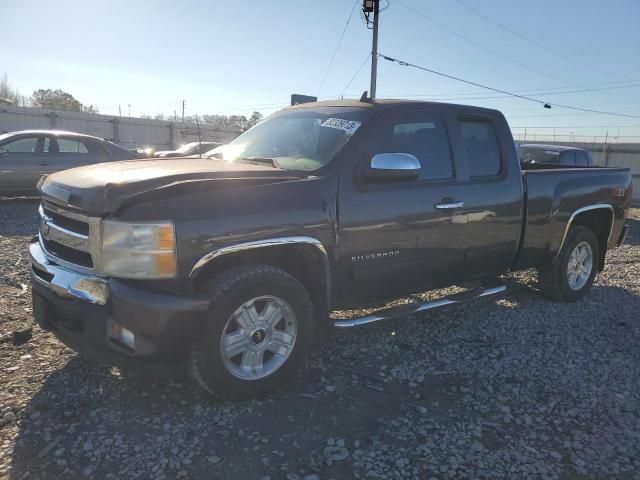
(347, 126)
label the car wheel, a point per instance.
(259, 330)
(570, 276)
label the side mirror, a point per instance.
(393, 166)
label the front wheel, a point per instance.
(259, 330)
(570, 276)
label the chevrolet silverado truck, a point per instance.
(231, 265)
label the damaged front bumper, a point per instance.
(116, 322)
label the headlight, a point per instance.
(138, 250)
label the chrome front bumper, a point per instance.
(64, 282)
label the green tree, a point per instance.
(256, 117)
(89, 109)
(237, 121)
(8, 93)
(59, 100)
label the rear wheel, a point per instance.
(259, 330)
(570, 276)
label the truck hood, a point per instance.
(104, 187)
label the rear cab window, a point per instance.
(581, 159)
(568, 158)
(481, 147)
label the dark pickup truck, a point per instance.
(231, 265)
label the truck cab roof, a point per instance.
(384, 103)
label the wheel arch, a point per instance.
(305, 258)
(599, 219)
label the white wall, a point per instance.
(125, 131)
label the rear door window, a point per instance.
(423, 135)
(66, 145)
(481, 146)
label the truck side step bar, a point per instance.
(404, 310)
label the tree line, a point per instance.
(57, 99)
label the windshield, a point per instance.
(537, 155)
(304, 139)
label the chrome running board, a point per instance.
(404, 310)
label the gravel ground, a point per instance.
(514, 387)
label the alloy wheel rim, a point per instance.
(258, 337)
(580, 266)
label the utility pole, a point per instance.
(199, 137)
(119, 111)
(369, 6)
(183, 110)
(129, 110)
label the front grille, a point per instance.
(67, 236)
(68, 223)
(68, 254)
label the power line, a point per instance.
(479, 45)
(483, 96)
(548, 115)
(335, 52)
(524, 97)
(356, 74)
(605, 85)
(535, 42)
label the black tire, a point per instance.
(553, 279)
(229, 291)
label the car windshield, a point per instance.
(188, 148)
(537, 155)
(299, 139)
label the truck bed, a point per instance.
(554, 193)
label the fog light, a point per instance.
(121, 335)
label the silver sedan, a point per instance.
(28, 155)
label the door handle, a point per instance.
(449, 205)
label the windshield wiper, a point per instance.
(259, 160)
